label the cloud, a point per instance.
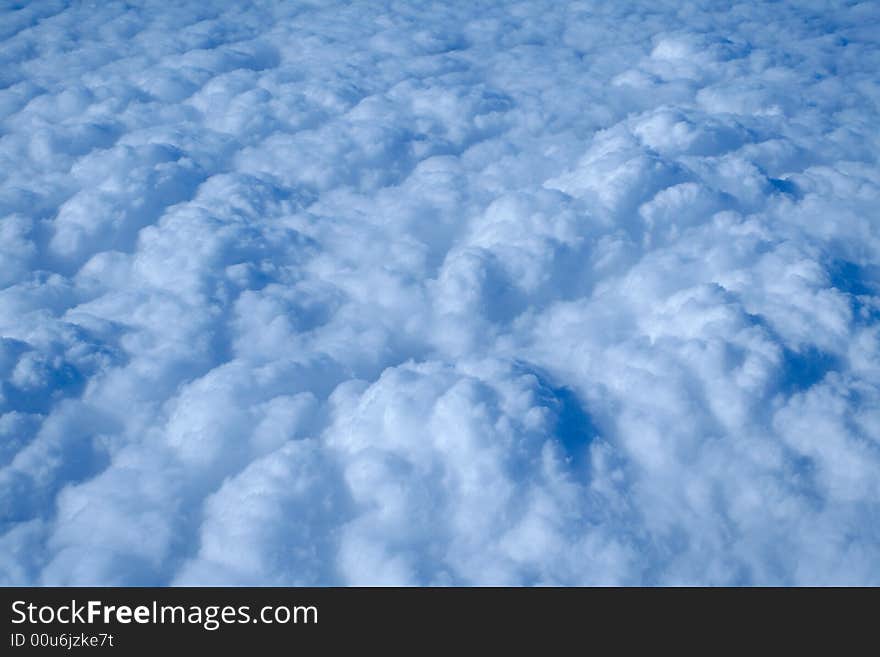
(349, 293)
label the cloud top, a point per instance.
(437, 293)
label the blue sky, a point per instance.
(439, 293)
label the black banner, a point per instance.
(149, 620)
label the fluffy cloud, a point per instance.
(420, 293)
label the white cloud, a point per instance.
(535, 293)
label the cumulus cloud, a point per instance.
(430, 293)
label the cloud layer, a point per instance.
(439, 293)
